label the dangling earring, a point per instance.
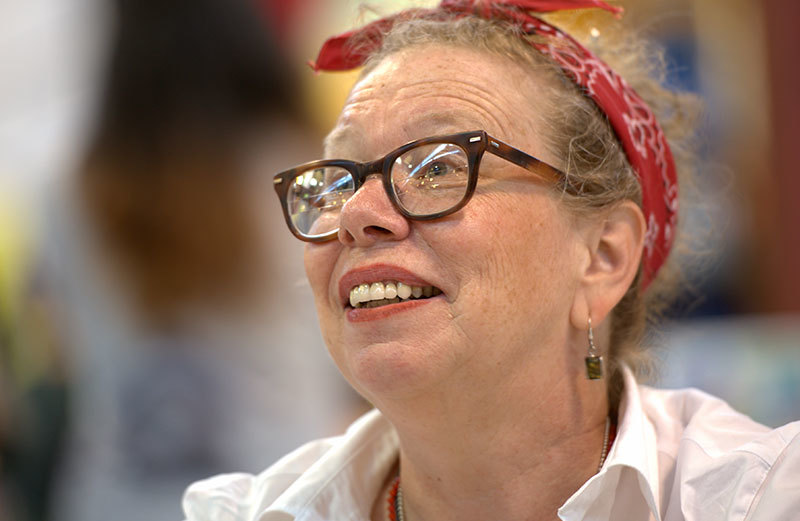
(594, 362)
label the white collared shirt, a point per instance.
(678, 455)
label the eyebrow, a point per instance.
(416, 127)
(441, 123)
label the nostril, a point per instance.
(377, 230)
(371, 233)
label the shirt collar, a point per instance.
(343, 480)
(634, 451)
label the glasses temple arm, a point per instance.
(528, 162)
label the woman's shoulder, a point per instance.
(291, 485)
(692, 416)
(716, 459)
(242, 495)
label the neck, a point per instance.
(520, 460)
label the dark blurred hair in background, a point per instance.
(190, 83)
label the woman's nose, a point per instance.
(369, 217)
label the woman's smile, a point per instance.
(378, 291)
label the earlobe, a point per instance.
(615, 250)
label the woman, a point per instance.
(481, 258)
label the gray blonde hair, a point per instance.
(579, 134)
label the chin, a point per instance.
(395, 369)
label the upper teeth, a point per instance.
(388, 290)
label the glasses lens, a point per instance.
(315, 199)
(432, 178)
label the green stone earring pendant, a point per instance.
(594, 362)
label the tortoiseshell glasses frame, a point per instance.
(420, 188)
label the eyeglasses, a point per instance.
(425, 179)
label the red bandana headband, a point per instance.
(633, 122)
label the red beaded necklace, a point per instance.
(395, 511)
(395, 501)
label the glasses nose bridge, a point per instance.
(368, 169)
(371, 168)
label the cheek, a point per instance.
(320, 260)
(513, 254)
(512, 236)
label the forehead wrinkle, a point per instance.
(481, 118)
(349, 135)
(486, 104)
(387, 98)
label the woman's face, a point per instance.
(506, 264)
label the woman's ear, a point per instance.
(614, 245)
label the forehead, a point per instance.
(438, 89)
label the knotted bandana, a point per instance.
(632, 120)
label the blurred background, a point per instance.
(155, 327)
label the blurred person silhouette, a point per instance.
(184, 343)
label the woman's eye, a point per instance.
(436, 169)
(433, 166)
